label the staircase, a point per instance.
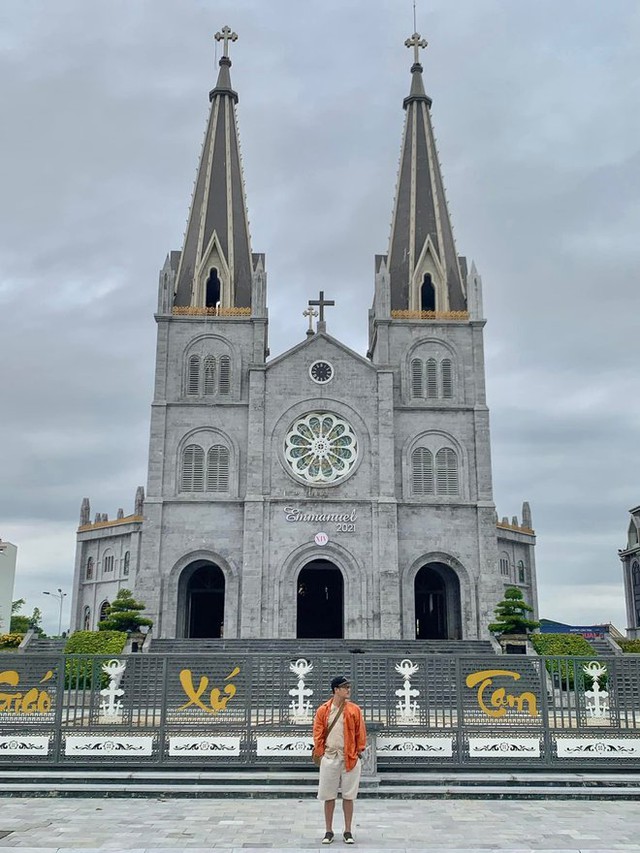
(322, 648)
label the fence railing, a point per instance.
(254, 709)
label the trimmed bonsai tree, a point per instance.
(123, 614)
(511, 614)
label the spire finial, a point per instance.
(226, 35)
(416, 42)
(310, 313)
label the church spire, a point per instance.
(423, 265)
(216, 262)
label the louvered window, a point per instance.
(193, 375)
(432, 378)
(446, 472)
(416, 378)
(504, 566)
(421, 472)
(107, 563)
(218, 469)
(224, 382)
(127, 563)
(209, 375)
(103, 611)
(522, 574)
(192, 475)
(89, 571)
(447, 378)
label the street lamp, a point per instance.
(61, 596)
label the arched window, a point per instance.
(522, 574)
(427, 294)
(86, 618)
(432, 378)
(224, 382)
(218, 469)
(635, 577)
(193, 375)
(213, 289)
(504, 565)
(421, 472)
(127, 563)
(103, 610)
(192, 474)
(89, 569)
(107, 563)
(209, 375)
(416, 378)
(447, 378)
(446, 472)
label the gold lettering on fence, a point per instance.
(34, 701)
(217, 702)
(496, 704)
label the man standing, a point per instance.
(339, 736)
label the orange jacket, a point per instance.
(355, 732)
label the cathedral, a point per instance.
(321, 492)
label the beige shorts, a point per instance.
(333, 776)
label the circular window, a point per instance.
(321, 448)
(321, 372)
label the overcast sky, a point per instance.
(103, 106)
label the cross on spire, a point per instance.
(322, 303)
(226, 35)
(416, 42)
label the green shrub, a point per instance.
(10, 641)
(79, 671)
(123, 614)
(512, 614)
(629, 647)
(566, 644)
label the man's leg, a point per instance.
(347, 808)
(329, 806)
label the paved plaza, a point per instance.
(465, 826)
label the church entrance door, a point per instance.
(320, 598)
(205, 601)
(437, 597)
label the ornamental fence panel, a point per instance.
(255, 709)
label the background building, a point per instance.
(630, 556)
(321, 493)
(8, 558)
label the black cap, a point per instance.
(339, 681)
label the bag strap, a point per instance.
(335, 720)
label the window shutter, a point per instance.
(193, 375)
(446, 472)
(224, 382)
(522, 575)
(89, 568)
(447, 378)
(421, 472)
(209, 375)
(127, 563)
(192, 476)
(218, 469)
(432, 378)
(416, 378)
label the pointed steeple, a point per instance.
(216, 261)
(423, 265)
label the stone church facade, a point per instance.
(319, 493)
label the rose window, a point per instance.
(321, 448)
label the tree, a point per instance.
(123, 614)
(511, 614)
(20, 623)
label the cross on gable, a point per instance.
(226, 35)
(416, 42)
(322, 303)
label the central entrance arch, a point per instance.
(204, 590)
(437, 603)
(320, 601)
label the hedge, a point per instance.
(629, 647)
(79, 670)
(552, 645)
(10, 641)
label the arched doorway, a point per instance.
(320, 601)
(437, 603)
(204, 600)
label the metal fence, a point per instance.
(252, 710)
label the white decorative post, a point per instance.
(597, 699)
(301, 710)
(111, 706)
(407, 710)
